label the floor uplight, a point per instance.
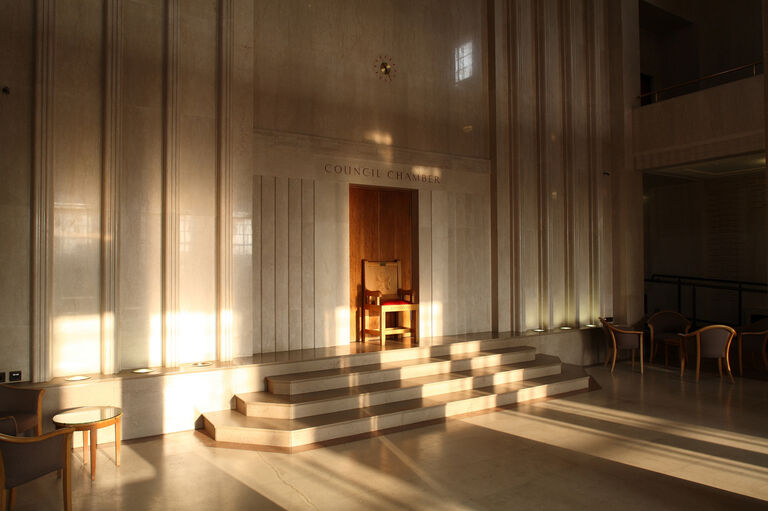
(79, 377)
(143, 370)
(202, 364)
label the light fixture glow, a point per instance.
(538, 329)
(590, 325)
(77, 378)
(566, 328)
(201, 364)
(143, 370)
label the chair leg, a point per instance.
(383, 326)
(698, 366)
(67, 485)
(683, 358)
(720, 366)
(3, 498)
(650, 353)
(11, 498)
(728, 368)
(641, 356)
(741, 359)
(613, 365)
(633, 358)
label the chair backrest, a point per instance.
(624, 340)
(669, 322)
(382, 276)
(26, 458)
(715, 340)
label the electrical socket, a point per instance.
(14, 376)
(2, 376)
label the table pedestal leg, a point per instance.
(85, 447)
(118, 434)
(93, 453)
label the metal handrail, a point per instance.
(656, 93)
(740, 286)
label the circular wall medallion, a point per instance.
(384, 68)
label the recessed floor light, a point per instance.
(143, 370)
(538, 329)
(77, 378)
(590, 325)
(202, 364)
(566, 328)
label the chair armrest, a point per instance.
(27, 458)
(624, 331)
(376, 295)
(406, 292)
(758, 334)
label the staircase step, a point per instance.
(323, 359)
(282, 406)
(315, 381)
(232, 426)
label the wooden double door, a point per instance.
(383, 224)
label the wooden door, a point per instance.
(382, 225)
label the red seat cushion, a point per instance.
(396, 302)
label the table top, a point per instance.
(86, 415)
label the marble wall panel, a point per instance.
(242, 160)
(197, 184)
(332, 313)
(140, 304)
(426, 304)
(76, 345)
(282, 257)
(307, 263)
(294, 265)
(17, 21)
(326, 82)
(559, 137)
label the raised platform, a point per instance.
(370, 392)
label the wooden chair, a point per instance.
(623, 339)
(23, 459)
(664, 327)
(24, 405)
(382, 293)
(712, 341)
(754, 338)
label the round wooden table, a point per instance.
(89, 419)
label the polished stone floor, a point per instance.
(651, 442)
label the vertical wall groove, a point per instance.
(171, 187)
(110, 194)
(224, 262)
(42, 189)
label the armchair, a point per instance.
(664, 327)
(23, 459)
(623, 339)
(382, 294)
(712, 341)
(754, 338)
(24, 405)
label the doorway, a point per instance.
(383, 225)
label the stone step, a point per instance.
(232, 426)
(315, 381)
(330, 358)
(281, 406)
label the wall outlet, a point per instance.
(2, 376)
(14, 376)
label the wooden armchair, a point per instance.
(23, 459)
(713, 341)
(624, 339)
(382, 293)
(24, 405)
(753, 338)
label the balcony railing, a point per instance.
(739, 287)
(705, 82)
